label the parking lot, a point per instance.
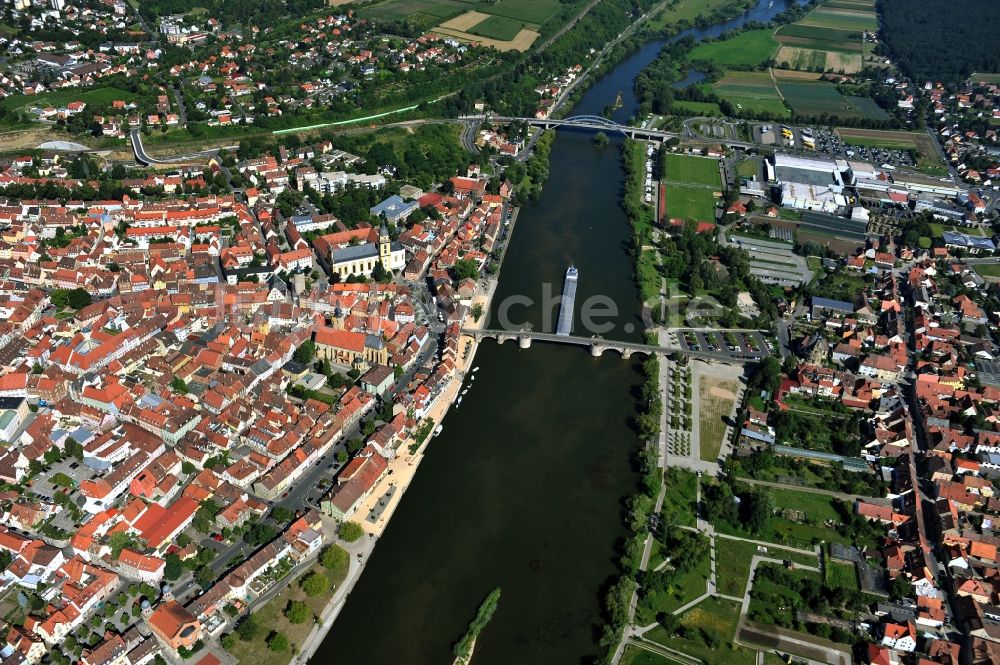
(829, 144)
(739, 344)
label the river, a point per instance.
(524, 489)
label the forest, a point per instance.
(942, 41)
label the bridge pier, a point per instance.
(524, 341)
(626, 353)
(596, 349)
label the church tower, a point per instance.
(384, 247)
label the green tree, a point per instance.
(350, 531)
(179, 385)
(304, 354)
(282, 514)
(173, 568)
(248, 628)
(277, 642)
(297, 611)
(465, 268)
(204, 576)
(78, 298)
(334, 558)
(315, 584)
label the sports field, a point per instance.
(751, 91)
(985, 77)
(696, 170)
(747, 48)
(690, 184)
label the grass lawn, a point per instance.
(700, 108)
(841, 575)
(732, 565)
(939, 229)
(271, 618)
(840, 286)
(698, 170)
(989, 269)
(802, 517)
(747, 48)
(773, 603)
(685, 588)
(497, 27)
(713, 616)
(634, 655)
(102, 95)
(748, 168)
(680, 499)
(717, 397)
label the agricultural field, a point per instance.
(745, 49)
(497, 27)
(751, 91)
(829, 38)
(918, 142)
(102, 95)
(506, 25)
(814, 98)
(529, 11)
(985, 77)
(841, 19)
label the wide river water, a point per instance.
(524, 488)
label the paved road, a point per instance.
(143, 157)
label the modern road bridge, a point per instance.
(598, 123)
(598, 345)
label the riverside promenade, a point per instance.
(400, 474)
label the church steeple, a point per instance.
(384, 247)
